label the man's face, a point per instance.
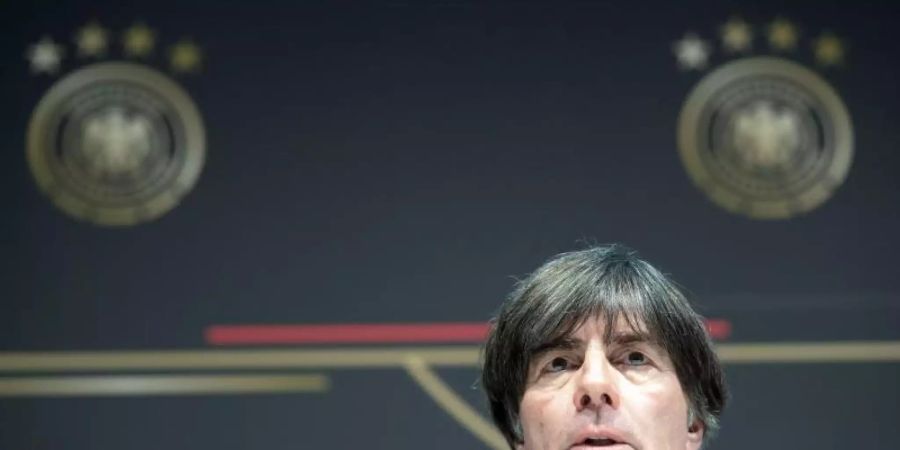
(583, 393)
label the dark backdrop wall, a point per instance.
(403, 163)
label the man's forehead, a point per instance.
(621, 325)
(621, 329)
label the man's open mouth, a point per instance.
(598, 442)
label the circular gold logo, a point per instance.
(765, 137)
(116, 144)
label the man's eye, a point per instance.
(636, 359)
(558, 364)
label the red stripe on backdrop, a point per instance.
(347, 333)
(719, 329)
(385, 333)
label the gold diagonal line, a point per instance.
(144, 385)
(453, 405)
(373, 357)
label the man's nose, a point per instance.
(597, 385)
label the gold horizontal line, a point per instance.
(373, 357)
(345, 358)
(143, 385)
(809, 352)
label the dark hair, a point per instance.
(608, 282)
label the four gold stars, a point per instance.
(92, 41)
(737, 37)
(138, 41)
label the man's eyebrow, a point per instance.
(561, 343)
(570, 343)
(631, 337)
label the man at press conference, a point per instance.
(598, 349)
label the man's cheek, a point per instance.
(666, 410)
(542, 421)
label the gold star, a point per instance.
(139, 40)
(185, 56)
(691, 52)
(45, 56)
(91, 40)
(829, 50)
(782, 35)
(736, 35)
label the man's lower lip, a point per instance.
(618, 446)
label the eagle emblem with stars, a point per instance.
(114, 143)
(762, 135)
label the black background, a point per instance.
(405, 162)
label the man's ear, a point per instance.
(695, 434)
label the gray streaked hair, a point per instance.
(612, 283)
